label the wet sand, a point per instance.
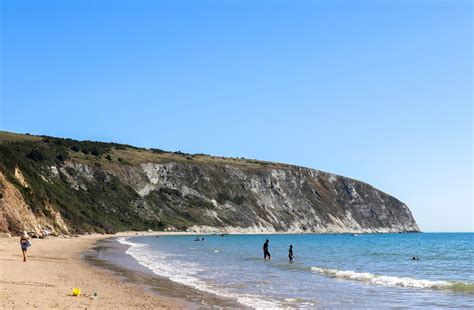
(54, 267)
(111, 254)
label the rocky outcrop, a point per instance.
(16, 215)
(191, 193)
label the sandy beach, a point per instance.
(54, 267)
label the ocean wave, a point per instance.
(185, 273)
(393, 281)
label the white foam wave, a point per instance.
(166, 265)
(382, 280)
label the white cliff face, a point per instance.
(211, 198)
(262, 200)
(162, 175)
(76, 186)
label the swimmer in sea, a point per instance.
(290, 254)
(265, 250)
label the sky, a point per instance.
(379, 91)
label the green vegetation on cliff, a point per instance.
(78, 186)
(104, 206)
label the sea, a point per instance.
(329, 271)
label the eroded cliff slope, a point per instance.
(76, 186)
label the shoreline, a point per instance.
(55, 266)
(111, 254)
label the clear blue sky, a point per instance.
(380, 91)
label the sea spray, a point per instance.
(395, 281)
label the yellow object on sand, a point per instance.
(76, 292)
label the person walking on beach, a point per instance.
(265, 250)
(25, 244)
(290, 253)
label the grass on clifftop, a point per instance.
(137, 156)
(104, 153)
(6, 136)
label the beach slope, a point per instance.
(54, 267)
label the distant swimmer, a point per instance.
(290, 254)
(265, 250)
(415, 258)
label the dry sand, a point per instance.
(54, 267)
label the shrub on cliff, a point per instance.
(35, 155)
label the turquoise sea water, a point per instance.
(329, 271)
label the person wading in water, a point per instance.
(290, 254)
(265, 250)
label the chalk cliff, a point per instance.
(72, 186)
